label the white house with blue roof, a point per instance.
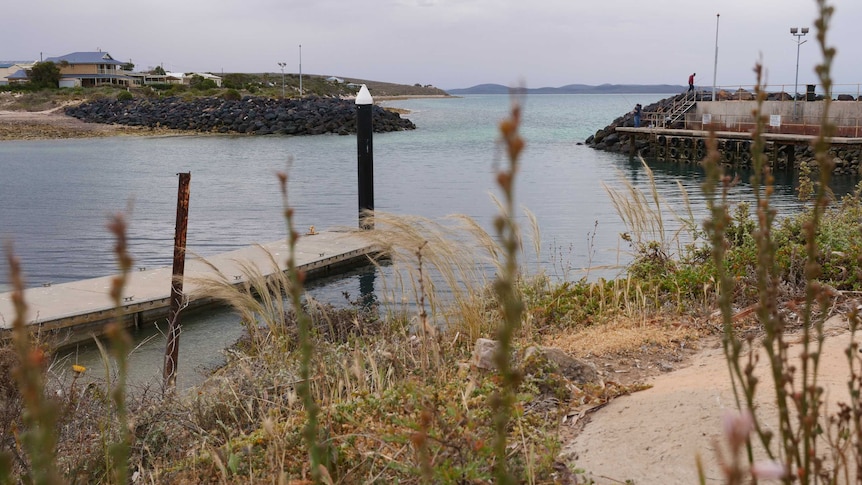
(11, 68)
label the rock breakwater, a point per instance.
(608, 139)
(250, 115)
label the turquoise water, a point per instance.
(56, 195)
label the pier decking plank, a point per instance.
(87, 302)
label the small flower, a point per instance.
(79, 369)
(737, 427)
(767, 470)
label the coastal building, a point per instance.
(145, 78)
(186, 77)
(90, 69)
(10, 68)
(206, 75)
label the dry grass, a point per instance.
(644, 214)
(623, 335)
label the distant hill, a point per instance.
(576, 89)
(378, 88)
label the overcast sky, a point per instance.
(448, 43)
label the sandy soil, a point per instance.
(53, 124)
(654, 436)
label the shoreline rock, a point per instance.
(250, 115)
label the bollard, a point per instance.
(173, 346)
(365, 152)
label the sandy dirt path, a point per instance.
(654, 436)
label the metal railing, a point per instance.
(854, 90)
(678, 114)
(802, 125)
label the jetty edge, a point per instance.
(676, 128)
(70, 313)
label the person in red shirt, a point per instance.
(691, 82)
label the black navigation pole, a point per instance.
(365, 152)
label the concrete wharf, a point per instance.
(676, 129)
(75, 311)
(745, 135)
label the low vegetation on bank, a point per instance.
(234, 86)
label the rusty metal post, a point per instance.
(173, 347)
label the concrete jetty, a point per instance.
(73, 312)
(675, 129)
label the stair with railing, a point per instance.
(679, 110)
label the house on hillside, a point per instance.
(175, 78)
(11, 68)
(186, 77)
(145, 78)
(90, 69)
(211, 77)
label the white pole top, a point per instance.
(364, 97)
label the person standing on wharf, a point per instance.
(691, 82)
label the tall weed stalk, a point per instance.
(791, 445)
(306, 345)
(41, 413)
(505, 288)
(39, 438)
(121, 344)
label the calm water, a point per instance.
(55, 196)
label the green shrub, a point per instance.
(203, 84)
(177, 89)
(161, 86)
(125, 96)
(231, 95)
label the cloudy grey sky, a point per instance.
(447, 43)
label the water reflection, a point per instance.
(207, 333)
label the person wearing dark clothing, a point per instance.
(637, 115)
(691, 82)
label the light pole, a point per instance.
(281, 65)
(300, 70)
(798, 33)
(715, 67)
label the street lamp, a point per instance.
(798, 33)
(300, 70)
(715, 67)
(281, 65)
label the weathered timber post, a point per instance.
(173, 347)
(365, 151)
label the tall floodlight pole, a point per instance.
(798, 33)
(715, 67)
(300, 70)
(281, 65)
